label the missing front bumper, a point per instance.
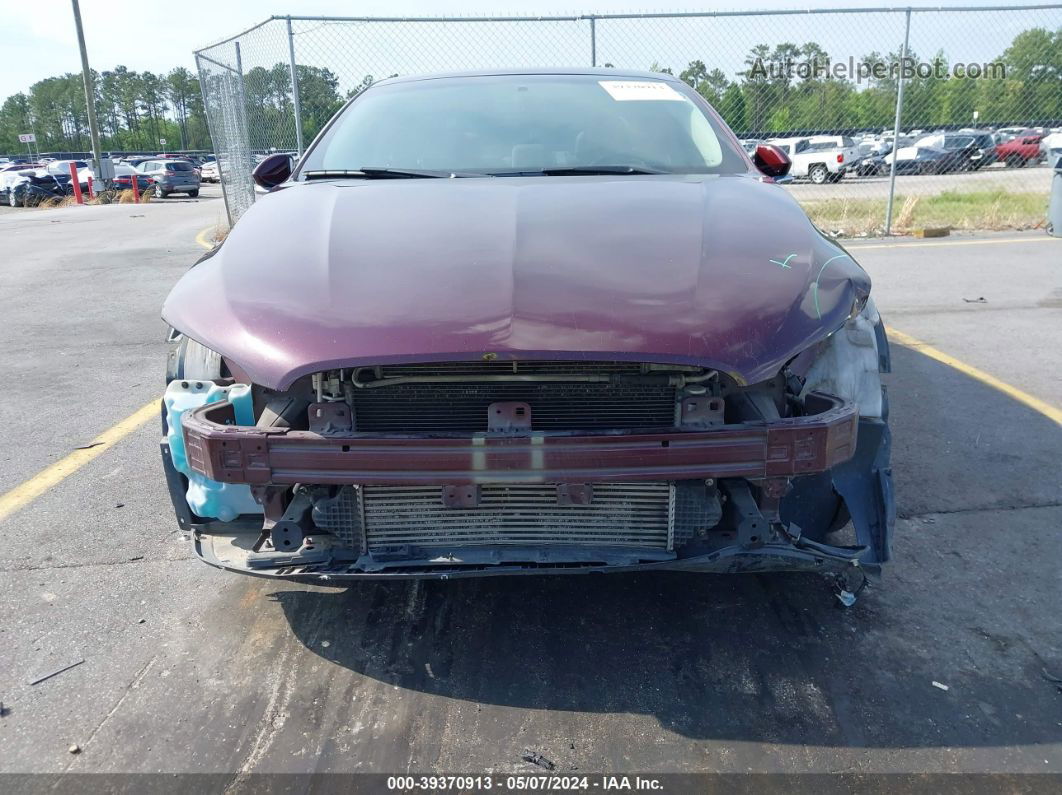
(823, 440)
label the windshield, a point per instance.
(502, 124)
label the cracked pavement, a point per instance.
(192, 669)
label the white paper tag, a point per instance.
(626, 90)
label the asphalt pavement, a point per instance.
(191, 669)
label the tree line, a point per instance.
(136, 110)
(779, 101)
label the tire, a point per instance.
(1013, 161)
(159, 192)
(193, 193)
(818, 174)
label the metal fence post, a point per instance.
(593, 40)
(295, 89)
(896, 124)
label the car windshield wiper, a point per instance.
(387, 173)
(561, 171)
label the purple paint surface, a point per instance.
(648, 268)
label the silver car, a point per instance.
(171, 176)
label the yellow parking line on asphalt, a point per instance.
(201, 238)
(989, 241)
(1042, 406)
(31, 489)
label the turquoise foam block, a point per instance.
(208, 498)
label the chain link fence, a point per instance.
(894, 118)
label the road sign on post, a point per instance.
(162, 141)
(27, 138)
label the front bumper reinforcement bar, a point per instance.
(816, 442)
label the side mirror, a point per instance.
(771, 161)
(272, 171)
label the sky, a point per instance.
(38, 40)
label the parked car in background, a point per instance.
(823, 162)
(871, 166)
(9, 178)
(916, 160)
(171, 176)
(986, 145)
(841, 143)
(981, 146)
(1051, 147)
(866, 149)
(125, 175)
(16, 165)
(30, 188)
(1021, 149)
(193, 159)
(1004, 134)
(572, 330)
(961, 152)
(210, 172)
(62, 167)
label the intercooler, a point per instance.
(375, 518)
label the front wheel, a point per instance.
(819, 174)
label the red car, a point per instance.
(530, 322)
(1022, 149)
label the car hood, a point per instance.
(726, 272)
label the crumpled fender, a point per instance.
(849, 364)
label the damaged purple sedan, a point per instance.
(528, 322)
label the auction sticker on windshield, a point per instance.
(624, 90)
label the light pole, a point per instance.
(90, 95)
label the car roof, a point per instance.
(571, 70)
